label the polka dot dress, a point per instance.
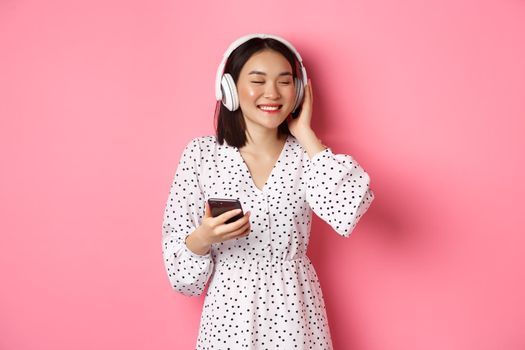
(263, 292)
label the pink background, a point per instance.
(98, 98)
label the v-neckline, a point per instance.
(249, 174)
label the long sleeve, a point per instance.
(188, 272)
(337, 190)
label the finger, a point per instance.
(310, 93)
(307, 95)
(207, 210)
(237, 223)
(311, 90)
(227, 215)
(245, 232)
(240, 232)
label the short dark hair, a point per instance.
(230, 126)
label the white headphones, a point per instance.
(225, 89)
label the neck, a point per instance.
(263, 141)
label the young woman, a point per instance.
(263, 291)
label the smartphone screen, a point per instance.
(222, 205)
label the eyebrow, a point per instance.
(262, 73)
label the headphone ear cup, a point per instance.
(299, 93)
(230, 99)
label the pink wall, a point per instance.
(98, 98)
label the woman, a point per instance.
(263, 292)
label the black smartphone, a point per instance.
(222, 205)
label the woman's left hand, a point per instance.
(302, 124)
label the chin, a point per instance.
(271, 122)
(274, 124)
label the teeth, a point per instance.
(268, 108)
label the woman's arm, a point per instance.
(188, 271)
(337, 190)
(310, 142)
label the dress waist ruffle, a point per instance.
(242, 262)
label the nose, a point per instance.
(271, 91)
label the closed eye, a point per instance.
(262, 82)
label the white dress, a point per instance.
(263, 291)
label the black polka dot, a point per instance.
(263, 291)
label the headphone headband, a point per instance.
(242, 40)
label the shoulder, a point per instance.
(201, 146)
(202, 141)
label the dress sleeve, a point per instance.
(337, 190)
(188, 272)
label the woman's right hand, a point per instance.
(215, 230)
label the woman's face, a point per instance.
(266, 89)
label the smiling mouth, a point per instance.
(269, 108)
